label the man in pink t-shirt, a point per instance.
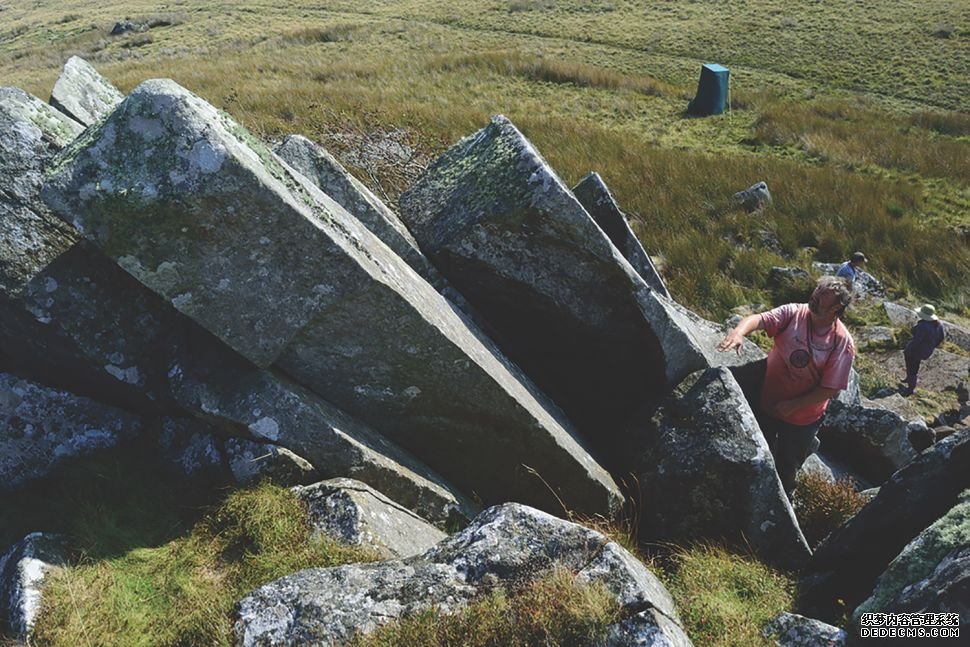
(807, 366)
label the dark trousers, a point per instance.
(912, 369)
(790, 445)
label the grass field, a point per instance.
(854, 113)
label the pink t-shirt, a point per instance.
(803, 359)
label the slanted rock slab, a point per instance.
(931, 574)
(507, 545)
(564, 303)
(596, 198)
(83, 94)
(68, 315)
(354, 513)
(707, 473)
(793, 630)
(205, 215)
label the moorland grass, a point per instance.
(182, 592)
(884, 170)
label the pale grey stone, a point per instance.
(23, 569)
(250, 461)
(596, 198)
(354, 513)
(217, 385)
(41, 428)
(793, 630)
(83, 94)
(755, 198)
(506, 545)
(68, 315)
(706, 471)
(235, 239)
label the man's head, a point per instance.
(832, 295)
(858, 259)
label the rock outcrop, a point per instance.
(565, 305)
(845, 566)
(706, 472)
(69, 317)
(216, 385)
(213, 222)
(506, 545)
(82, 94)
(905, 317)
(793, 630)
(353, 513)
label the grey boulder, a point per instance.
(354, 513)
(505, 545)
(707, 473)
(40, 428)
(793, 630)
(83, 94)
(236, 240)
(23, 569)
(596, 198)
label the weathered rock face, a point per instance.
(566, 306)
(793, 630)
(906, 317)
(354, 513)
(41, 428)
(871, 438)
(755, 198)
(83, 94)
(943, 371)
(506, 545)
(191, 447)
(68, 316)
(22, 572)
(848, 562)
(931, 574)
(217, 385)
(707, 472)
(596, 198)
(215, 223)
(250, 461)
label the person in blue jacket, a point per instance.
(849, 268)
(927, 335)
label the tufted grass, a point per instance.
(555, 610)
(182, 591)
(724, 599)
(822, 505)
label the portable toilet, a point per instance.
(712, 91)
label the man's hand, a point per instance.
(733, 340)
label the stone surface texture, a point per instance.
(83, 94)
(41, 428)
(354, 513)
(706, 471)
(233, 238)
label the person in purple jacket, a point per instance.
(927, 335)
